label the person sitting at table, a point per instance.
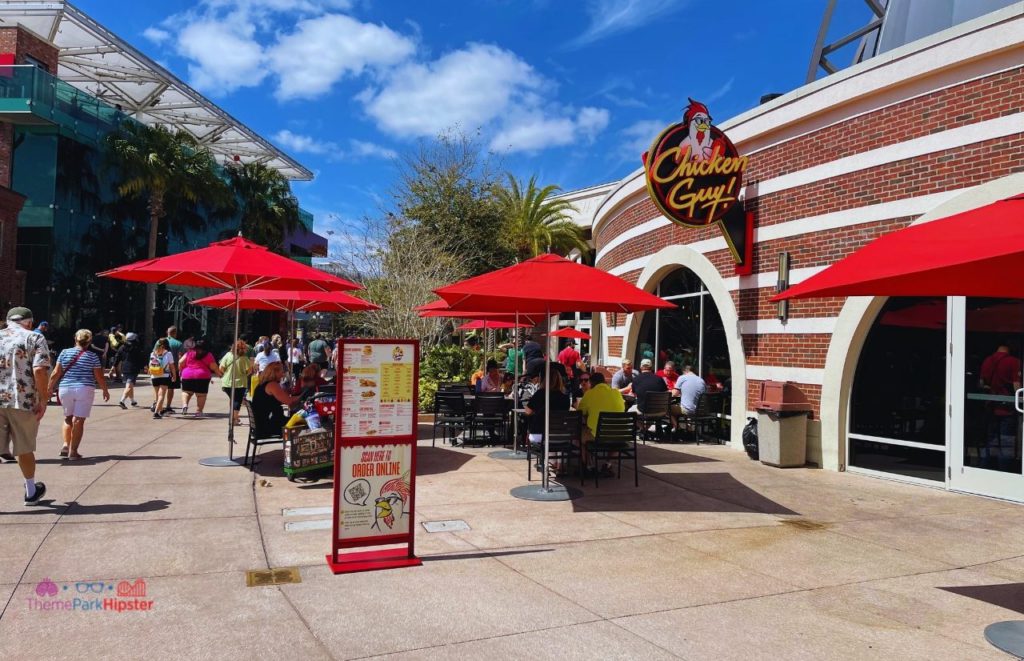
(623, 379)
(600, 397)
(268, 401)
(669, 374)
(507, 381)
(534, 408)
(309, 380)
(689, 387)
(646, 382)
(491, 381)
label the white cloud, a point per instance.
(223, 54)
(156, 35)
(637, 138)
(357, 149)
(720, 92)
(608, 17)
(324, 49)
(362, 149)
(536, 132)
(468, 87)
(302, 144)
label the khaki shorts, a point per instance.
(18, 428)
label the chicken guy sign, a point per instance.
(694, 175)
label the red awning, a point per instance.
(974, 253)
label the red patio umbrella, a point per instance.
(571, 333)
(486, 324)
(974, 253)
(235, 264)
(548, 284)
(289, 301)
(440, 309)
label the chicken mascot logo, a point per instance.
(694, 173)
(394, 496)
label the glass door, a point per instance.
(987, 416)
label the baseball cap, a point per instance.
(131, 337)
(646, 362)
(19, 314)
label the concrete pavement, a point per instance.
(713, 557)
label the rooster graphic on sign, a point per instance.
(394, 495)
(699, 145)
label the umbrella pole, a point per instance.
(230, 459)
(231, 417)
(515, 388)
(547, 403)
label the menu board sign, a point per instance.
(375, 455)
(378, 390)
(374, 498)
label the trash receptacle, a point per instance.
(782, 412)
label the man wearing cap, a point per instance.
(646, 382)
(24, 371)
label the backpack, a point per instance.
(156, 368)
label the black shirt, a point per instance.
(535, 421)
(646, 382)
(532, 351)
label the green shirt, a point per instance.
(601, 397)
(240, 375)
(511, 358)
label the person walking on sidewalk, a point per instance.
(235, 368)
(175, 346)
(75, 377)
(131, 358)
(24, 366)
(162, 369)
(197, 368)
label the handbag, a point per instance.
(64, 373)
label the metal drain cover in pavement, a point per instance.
(259, 577)
(445, 526)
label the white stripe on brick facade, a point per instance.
(809, 375)
(798, 325)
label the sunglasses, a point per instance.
(584, 380)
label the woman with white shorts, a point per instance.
(75, 376)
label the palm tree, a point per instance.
(268, 209)
(535, 223)
(164, 168)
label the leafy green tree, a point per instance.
(534, 222)
(447, 189)
(268, 209)
(164, 168)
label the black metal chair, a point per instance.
(616, 436)
(701, 419)
(656, 412)
(451, 415)
(254, 443)
(489, 413)
(566, 429)
(464, 388)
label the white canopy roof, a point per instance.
(95, 60)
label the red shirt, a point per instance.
(1000, 372)
(569, 357)
(670, 377)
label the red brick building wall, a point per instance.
(20, 43)
(958, 167)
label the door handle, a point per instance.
(1018, 400)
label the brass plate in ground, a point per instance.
(805, 524)
(260, 577)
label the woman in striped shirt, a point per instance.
(75, 376)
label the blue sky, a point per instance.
(569, 90)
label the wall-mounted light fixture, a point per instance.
(782, 285)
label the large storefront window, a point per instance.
(690, 334)
(897, 407)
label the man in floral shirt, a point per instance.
(24, 370)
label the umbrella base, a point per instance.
(1007, 636)
(554, 492)
(222, 462)
(507, 454)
